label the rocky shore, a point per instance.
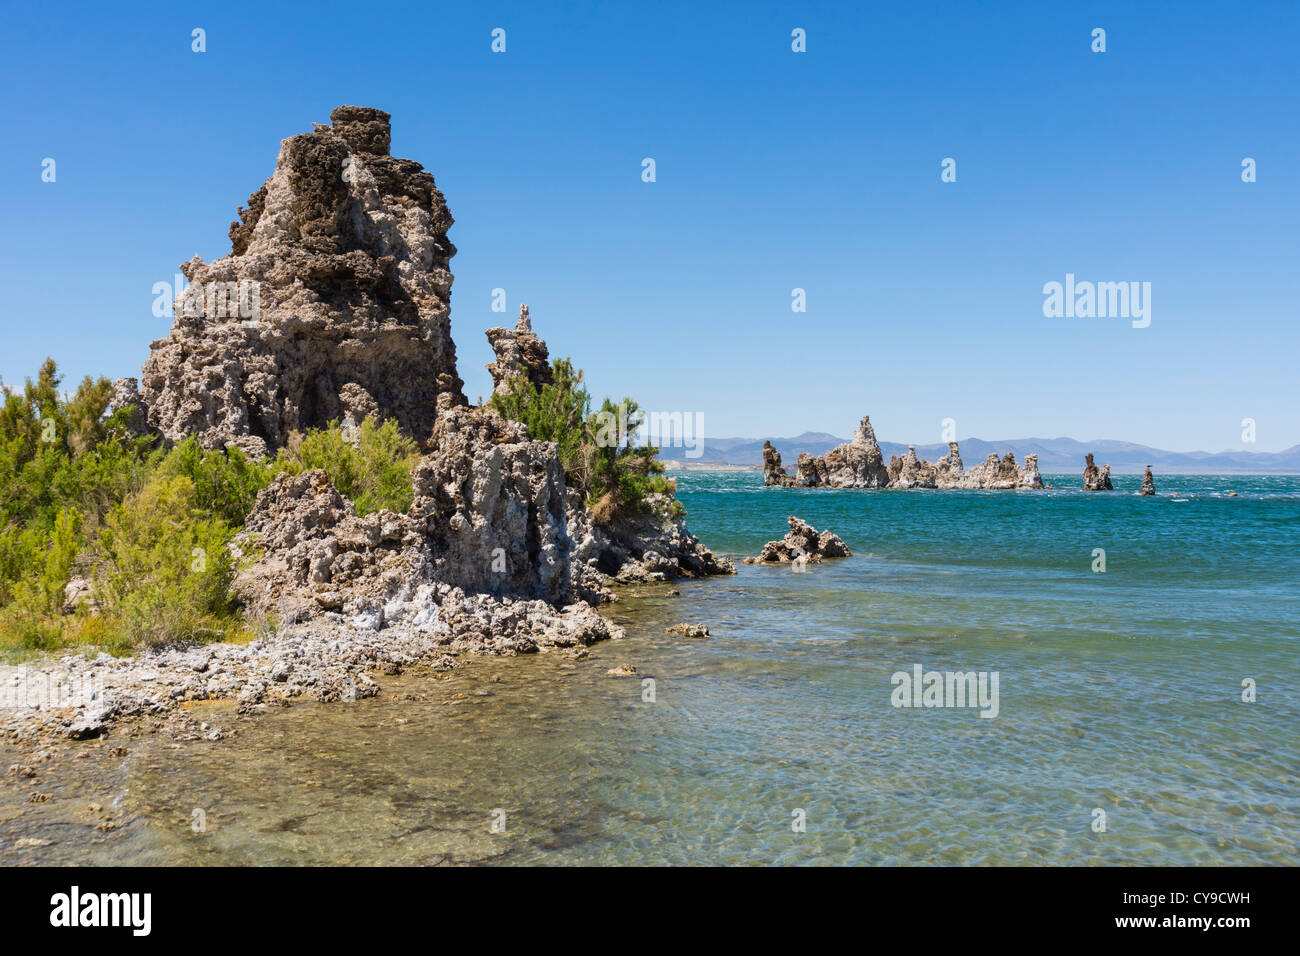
(334, 304)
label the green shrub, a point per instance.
(58, 452)
(35, 600)
(372, 465)
(225, 482)
(614, 475)
(20, 557)
(556, 413)
(164, 568)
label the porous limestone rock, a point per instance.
(1002, 474)
(444, 569)
(773, 472)
(911, 472)
(493, 506)
(1094, 478)
(1148, 483)
(802, 543)
(333, 302)
(857, 464)
(649, 547)
(520, 352)
(948, 470)
(126, 393)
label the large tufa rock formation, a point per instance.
(520, 352)
(1094, 478)
(334, 301)
(804, 543)
(1148, 483)
(344, 256)
(857, 464)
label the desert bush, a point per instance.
(226, 482)
(372, 464)
(615, 476)
(164, 568)
(58, 451)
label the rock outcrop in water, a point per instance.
(647, 548)
(911, 472)
(773, 472)
(650, 546)
(1094, 478)
(858, 464)
(334, 301)
(1148, 483)
(802, 542)
(1000, 474)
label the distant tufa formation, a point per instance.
(1148, 483)
(1097, 479)
(860, 464)
(334, 301)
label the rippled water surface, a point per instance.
(1119, 691)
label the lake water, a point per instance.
(1119, 692)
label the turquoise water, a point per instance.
(1118, 691)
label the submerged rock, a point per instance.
(334, 300)
(1148, 483)
(802, 542)
(688, 630)
(1094, 478)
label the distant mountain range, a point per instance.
(1055, 455)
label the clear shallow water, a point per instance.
(1119, 691)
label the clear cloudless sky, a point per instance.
(775, 170)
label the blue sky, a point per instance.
(775, 170)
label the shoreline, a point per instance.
(80, 698)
